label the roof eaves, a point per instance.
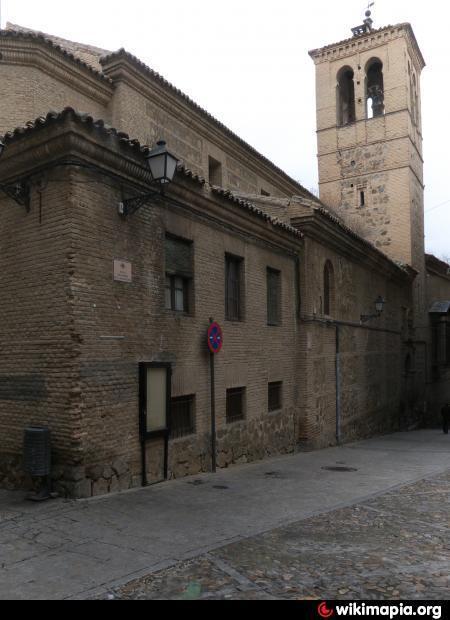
(41, 38)
(250, 207)
(79, 117)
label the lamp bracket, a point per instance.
(130, 206)
(19, 192)
(365, 318)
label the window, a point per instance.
(374, 88)
(346, 111)
(178, 275)
(215, 172)
(264, 193)
(362, 199)
(273, 297)
(233, 288)
(182, 417)
(177, 294)
(328, 289)
(235, 405)
(275, 396)
(440, 332)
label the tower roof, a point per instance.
(369, 39)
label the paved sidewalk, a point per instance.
(393, 547)
(66, 549)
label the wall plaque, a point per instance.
(123, 271)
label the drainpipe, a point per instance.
(338, 385)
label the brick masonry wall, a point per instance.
(36, 336)
(145, 117)
(61, 365)
(116, 326)
(32, 93)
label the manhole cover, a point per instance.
(221, 488)
(343, 470)
(275, 475)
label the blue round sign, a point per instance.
(215, 338)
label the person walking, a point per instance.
(446, 417)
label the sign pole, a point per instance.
(213, 415)
(215, 344)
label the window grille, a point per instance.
(233, 286)
(273, 297)
(182, 418)
(275, 396)
(235, 405)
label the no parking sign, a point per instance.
(215, 338)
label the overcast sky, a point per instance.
(247, 63)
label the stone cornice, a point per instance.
(60, 143)
(369, 41)
(36, 52)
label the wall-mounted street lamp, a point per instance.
(379, 307)
(162, 166)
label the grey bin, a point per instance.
(37, 451)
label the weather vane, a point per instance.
(367, 24)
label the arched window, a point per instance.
(328, 289)
(374, 88)
(346, 109)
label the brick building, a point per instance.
(99, 310)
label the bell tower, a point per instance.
(370, 138)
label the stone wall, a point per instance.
(374, 387)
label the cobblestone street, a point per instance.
(396, 546)
(290, 527)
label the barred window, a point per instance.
(182, 417)
(275, 396)
(235, 405)
(233, 288)
(179, 274)
(273, 297)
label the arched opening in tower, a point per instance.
(375, 88)
(346, 97)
